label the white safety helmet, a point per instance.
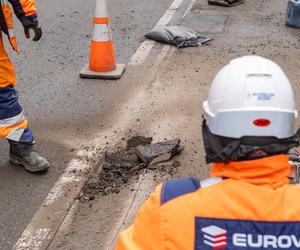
(251, 96)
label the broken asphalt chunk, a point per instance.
(159, 152)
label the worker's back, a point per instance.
(248, 130)
(252, 208)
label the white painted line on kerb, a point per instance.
(37, 233)
(143, 51)
(33, 241)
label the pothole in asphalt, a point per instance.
(123, 166)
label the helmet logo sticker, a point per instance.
(263, 96)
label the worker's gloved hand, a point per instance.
(31, 23)
(294, 154)
(37, 32)
(294, 161)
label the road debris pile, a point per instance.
(124, 165)
(177, 35)
(226, 3)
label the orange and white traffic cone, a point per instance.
(102, 56)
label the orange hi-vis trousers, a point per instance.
(13, 124)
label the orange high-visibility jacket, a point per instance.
(26, 12)
(245, 205)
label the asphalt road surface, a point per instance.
(64, 111)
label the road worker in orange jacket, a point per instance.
(247, 203)
(13, 124)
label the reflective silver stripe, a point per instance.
(210, 181)
(12, 120)
(15, 134)
(102, 33)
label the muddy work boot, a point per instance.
(24, 155)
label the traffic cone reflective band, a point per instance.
(102, 56)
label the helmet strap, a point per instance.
(223, 149)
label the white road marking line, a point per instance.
(33, 241)
(189, 8)
(68, 176)
(34, 235)
(143, 51)
(166, 18)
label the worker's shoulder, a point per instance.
(174, 188)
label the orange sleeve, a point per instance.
(145, 233)
(24, 7)
(29, 7)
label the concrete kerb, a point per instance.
(137, 98)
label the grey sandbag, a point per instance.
(177, 35)
(226, 3)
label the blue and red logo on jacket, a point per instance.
(215, 237)
(218, 234)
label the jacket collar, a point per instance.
(270, 172)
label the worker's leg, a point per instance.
(13, 124)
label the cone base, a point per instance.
(110, 75)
